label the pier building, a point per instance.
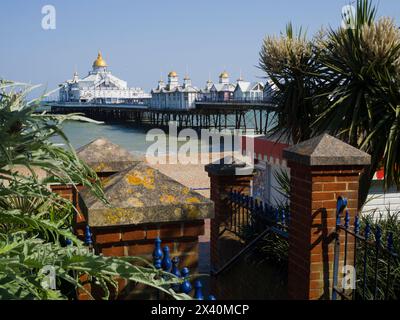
(206, 92)
(245, 91)
(100, 86)
(173, 95)
(223, 90)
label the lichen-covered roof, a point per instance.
(104, 156)
(141, 194)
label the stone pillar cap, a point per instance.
(141, 195)
(229, 166)
(104, 156)
(326, 150)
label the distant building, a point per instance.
(222, 91)
(173, 95)
(248, 90)
(205, 94)
(99, 86)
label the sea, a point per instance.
(131, 136)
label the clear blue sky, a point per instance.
(141, 39)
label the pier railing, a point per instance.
(241, 115)
(232, 100)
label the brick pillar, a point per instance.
(322, 169)
(224, 178)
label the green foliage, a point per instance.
(288, 61)
(283, 188)
(34, 222)
(23, 261)
(271, 248)
(388, 222)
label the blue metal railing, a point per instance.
(363, 250)
(162, 261)
(255, 216)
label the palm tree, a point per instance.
(289, 62)
(355, 81)
(35, 223)
(364, 108)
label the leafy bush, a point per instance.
(34, 222)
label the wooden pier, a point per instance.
(206, 115)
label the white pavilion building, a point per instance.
(100, 86)
(173, 95)
(245, 90)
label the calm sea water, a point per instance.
(126, 135)
(130, 136)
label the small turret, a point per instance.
(172, 80)
(99, 65)
(75, 78)
(187, 81)
(161, 84)
(224, 77)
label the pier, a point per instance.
(218, 115)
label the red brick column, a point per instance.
(322, 169)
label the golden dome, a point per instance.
(99, 62)
(224, 75)
(172, 74)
